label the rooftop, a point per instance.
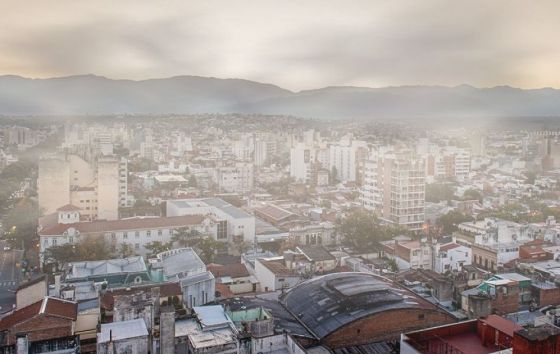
(327, 303)
(122, 330)
(124, 224)
(236, 270)
(212, 316)
(224, 206)
(179, 263)
(48, 306)
(274, 212)
(110, 266)
(316, 253)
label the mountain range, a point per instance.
(91, 94)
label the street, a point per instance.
(9, 276)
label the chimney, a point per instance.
(57, 285)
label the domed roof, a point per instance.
(329, 302)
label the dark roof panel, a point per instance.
(329, 302)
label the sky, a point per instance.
(294, 44)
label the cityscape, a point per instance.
(346, 214)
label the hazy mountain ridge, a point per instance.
(90, 94)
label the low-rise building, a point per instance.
(234, 224)
(135, 232)
(273, 274)
(184, 266)
(50, 321)
(123, 337)
(235, 276)
(451, 256)
(210, 331)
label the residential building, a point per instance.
(137, 233)
(99, 187)
(234, 224)
(451, 257)
(394, 188)
(184, 266)
(122, 337)
(49, 322)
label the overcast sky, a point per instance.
(294, 44)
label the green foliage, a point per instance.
(333, 177)
(207, 249)
(437, 192)
(21, 224)
(141, 165)
(192, 182)
(448, 222)
(530, 177)
(363, 231)
(88, 249)
(472, 194)
(185, 237)
(158, 247)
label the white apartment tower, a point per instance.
(98, 188)
(394, 188)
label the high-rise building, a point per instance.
(238, 178)
(98, 188)
(345, 156)
(302, 159)
(394, 188)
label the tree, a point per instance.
(362, 230)
(192, 182)
(88, 249)
(61, 254)
(125, 250)
(530, 177)
(186, 237)
(93, 248)
(158, 247)
(333, 178)
(207, 249)
(471, 194)
(21, 224)
(449, 221)
(437, 192)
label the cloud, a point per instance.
(298, 45)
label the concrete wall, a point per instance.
(53, 184)
(108, 188)
(31, 294)
(133, 345)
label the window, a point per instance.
(113, 235)
(136, 246)
(159, 232)
(148, 233)
(125, 234)
(137, 234)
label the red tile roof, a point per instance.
(68, 207)
(49, 306)
(277, 268)
(236, 270)
(449, 246)
(224, 291)
(127, 224)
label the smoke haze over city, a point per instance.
(279, 177)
